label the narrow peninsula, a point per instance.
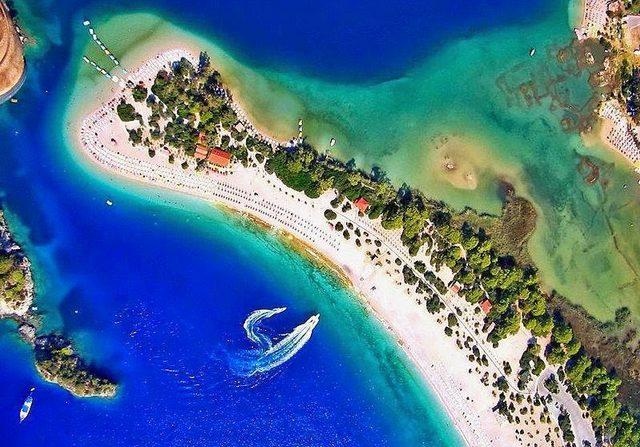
(56, 359)
(474, 319)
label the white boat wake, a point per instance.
(269, 355)
(253, 330)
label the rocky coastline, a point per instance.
(55, 356)
(57, 362)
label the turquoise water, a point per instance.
(155, 289)
(166, 330)
(470, 92)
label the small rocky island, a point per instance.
(57, 362)
(56, 359)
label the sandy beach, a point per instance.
(101, 141)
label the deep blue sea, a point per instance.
(155, 289)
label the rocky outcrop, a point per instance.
(16, 283)
(56, 358)
(58, 363)
(12, 65)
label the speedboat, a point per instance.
(26, 406)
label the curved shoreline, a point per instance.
(252, 192)
(55, 357)
(275, 100)
(12, 63)
(12, 92)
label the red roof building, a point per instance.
(455, 287)
(362, 204)
(201, 152)
(219, 157)
(486, 306)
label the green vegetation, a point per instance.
(330, 214)
(631, 6)
(565, 426)
(596, 390)
(434, 304)
(409, 277)
(530, 365)
(15, 274)
(140, 93)
(551, 384)
(488, 260)
(57, 362)
(13, 281)
(55, 358)
(193, 102)
(135, 136)
(126, 112)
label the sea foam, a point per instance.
(269, 355)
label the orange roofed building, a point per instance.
(201, 152)
(362, 204)
(219, 157)
(486, 306)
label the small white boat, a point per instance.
(26, 406)
(532, 51)
(109, 202)
(332, 142)
(86, 23)
(300, 122)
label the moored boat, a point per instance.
(26, 406)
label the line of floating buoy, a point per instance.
(300, 123)
(104, 72)
(102, 46)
